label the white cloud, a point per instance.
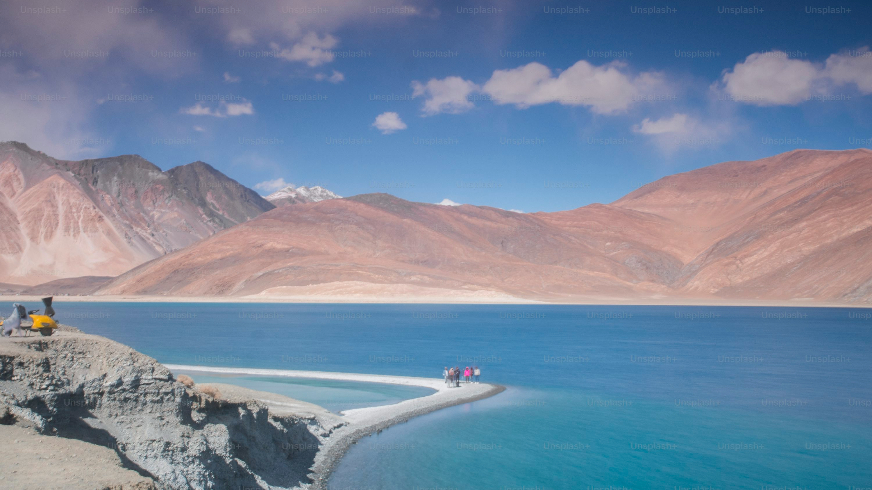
(68, 61)
(82, 30)
(772, 78)
(239, 109)
(605, 89)
(519, 85)
(389, 122)
(516, 211)
(199, 109)
(47, 113)
(270, 186)
(312, 50)
(199, 129)
(336, 77)
(451, 95)
(852, 67)
(287, 21)
(448, 202)
(224, 109)
(230, 78)
(678, 123)
(240, 35)
(685, 131)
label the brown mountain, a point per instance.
(793, 226)
(62, 219)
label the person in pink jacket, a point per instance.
(466, 373)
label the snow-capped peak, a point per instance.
(301, 194)
(317, 193)
(448, 202)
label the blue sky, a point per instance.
(533, 106)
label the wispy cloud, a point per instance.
(270, 186)
(336, 77)
(47, 114)
(224, 109)
(312, 50)
(683, 131)
(677, 123)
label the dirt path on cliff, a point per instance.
(35, 462)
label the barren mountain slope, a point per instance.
(712, 202)
(383, 240)
(62, 219)
(795, 225)
(810, 242)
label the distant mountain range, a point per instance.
(796, 226)
(300, 195)
(62, 219)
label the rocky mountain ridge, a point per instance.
(795, 226)
(101, 217)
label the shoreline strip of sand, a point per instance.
(361, 422)
(398, 300)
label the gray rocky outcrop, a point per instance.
(95, 390)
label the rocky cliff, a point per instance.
(90, 389)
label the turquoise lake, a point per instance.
(597, 396)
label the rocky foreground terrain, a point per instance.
(793, 227)
(82, 411)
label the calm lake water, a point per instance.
(635, 397)
(335, 396)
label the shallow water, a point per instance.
(636, 397)
(335, 396)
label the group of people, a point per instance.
(452, 375)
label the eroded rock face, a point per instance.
(92, 389)
(102, 217)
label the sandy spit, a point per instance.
(361, 422)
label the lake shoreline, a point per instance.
(350, 300)
(362, 422)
